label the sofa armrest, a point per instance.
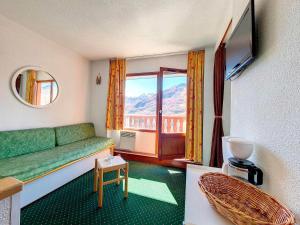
(9, 186)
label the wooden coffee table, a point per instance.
(116, 163)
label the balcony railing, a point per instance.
(170, 123)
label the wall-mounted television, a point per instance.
(241, 46)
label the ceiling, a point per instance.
(99, 29)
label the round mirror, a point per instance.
(34, 87)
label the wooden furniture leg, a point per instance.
(100, 189)
(126, 180)
(118, 176)
(96, 176)
(111, 150)
(116, 165)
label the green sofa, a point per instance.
(29, 154)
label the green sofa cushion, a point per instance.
(71, 133)
(27, 167)
(20, 142)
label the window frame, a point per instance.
(39, 86)
(143, 74)
(160, 134)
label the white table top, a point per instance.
(197, 209)
(114, 161)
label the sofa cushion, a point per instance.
(20, 142)
(71, 133)
(27, 167)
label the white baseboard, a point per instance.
(44, 185)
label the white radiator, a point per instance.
(127, 140)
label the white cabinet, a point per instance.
(197, 209)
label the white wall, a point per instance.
(145, 142)
(20, 47)
(99, 93)
(154, 63)
(266, 98)
(225, 23)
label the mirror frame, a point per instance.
(16, 94)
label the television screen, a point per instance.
(240, 48)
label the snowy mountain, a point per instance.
(174, 102)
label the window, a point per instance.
(141, 102)
(174, 102)
(156, 102)
(46, 92)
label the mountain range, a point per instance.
(174, 102)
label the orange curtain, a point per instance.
(30, 87)
(116, 94)
(195, 75)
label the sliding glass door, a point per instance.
(155, 102)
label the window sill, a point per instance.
(139, 130)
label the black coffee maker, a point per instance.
(246, 170)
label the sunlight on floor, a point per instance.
(174, 171)
(151, 189)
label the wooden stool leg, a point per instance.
(100, 189)
(118, 175)
(126, 180)
(96, 176)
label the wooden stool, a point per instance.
(116, 163)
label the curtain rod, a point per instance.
(226, 32)
(156, 55)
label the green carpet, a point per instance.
(156, 196)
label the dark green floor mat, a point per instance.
(156, 196)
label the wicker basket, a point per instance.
(242, 203)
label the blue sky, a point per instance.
(148, 85)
